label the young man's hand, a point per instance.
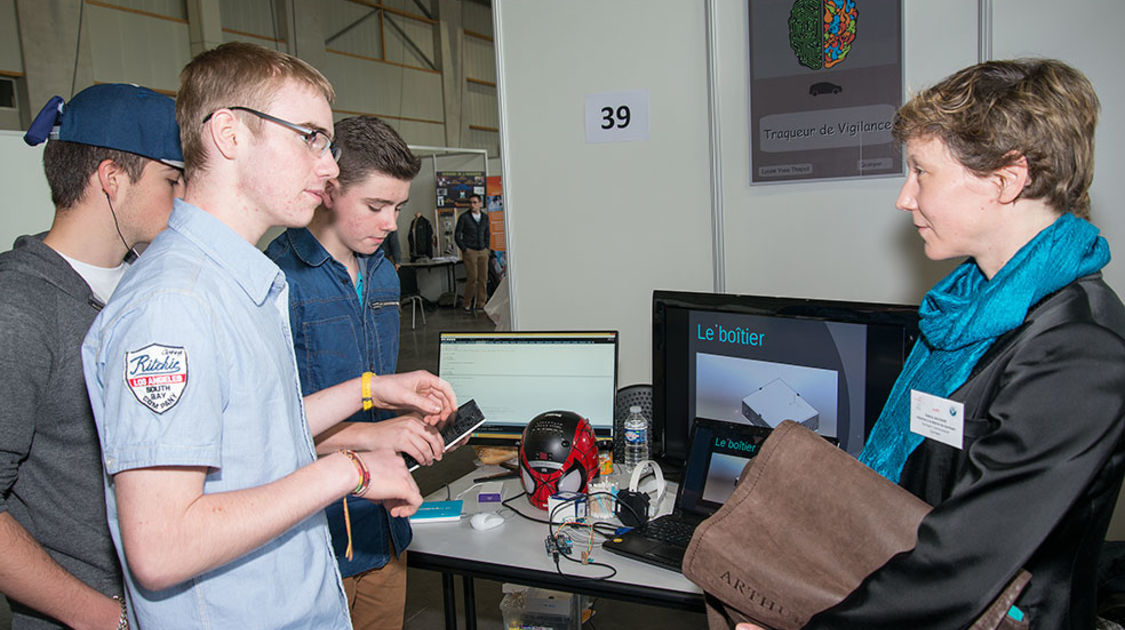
(391, 484)
(107, 615)
(406, 434)
(417, 391)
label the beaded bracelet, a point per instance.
(364, 481)
(365, 386)
(364, 473)
(123, 620)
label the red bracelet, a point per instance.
(364, 473)
(364, 481)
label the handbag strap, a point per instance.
(995, 616)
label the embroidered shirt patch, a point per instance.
(157, 374)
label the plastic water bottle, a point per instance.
(636, 438)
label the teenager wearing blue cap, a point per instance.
(113, 164)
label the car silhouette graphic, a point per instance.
(824, 87)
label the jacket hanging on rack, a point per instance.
(421, 238)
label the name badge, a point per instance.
(937, 418)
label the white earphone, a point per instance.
(639, 473)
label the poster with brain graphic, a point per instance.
(825, 81)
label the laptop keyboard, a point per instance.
(670, 530)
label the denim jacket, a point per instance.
(337, 338)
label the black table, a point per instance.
(450, 266)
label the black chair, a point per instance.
(409, 294)
(640, 395)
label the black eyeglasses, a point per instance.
(316, 140)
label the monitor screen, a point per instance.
(718, 455)
(515, 376)
(758, 360)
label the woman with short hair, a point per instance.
(1023, 343)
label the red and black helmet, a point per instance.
(558, 453)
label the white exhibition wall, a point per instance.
(1082, 34)
(27, 207)
(834, 239)
(594, 228)
(846, 240)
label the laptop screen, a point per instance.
(515, 376)
(719, 452)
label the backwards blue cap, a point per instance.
(114, 116)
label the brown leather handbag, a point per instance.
(805, 526)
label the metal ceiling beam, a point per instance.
(424, 9)
(409, 42)
(351, 26)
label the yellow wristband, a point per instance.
(365, 386)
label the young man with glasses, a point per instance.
(113, 165)
(344, 308)
(214, 491)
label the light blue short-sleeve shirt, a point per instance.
(191, 364)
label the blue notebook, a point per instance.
(438, 512)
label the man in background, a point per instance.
(471, 236)
(113, 166)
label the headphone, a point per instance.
(130, 252)
(635, 499)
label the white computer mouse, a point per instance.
(486, 520)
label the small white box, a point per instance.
(776, 402)
(574, 507)
(490, 494)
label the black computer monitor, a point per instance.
(515, 376)
(760, 360)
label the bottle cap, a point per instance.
(635, 409)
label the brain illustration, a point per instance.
(821, 32)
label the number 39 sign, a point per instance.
(617, 117)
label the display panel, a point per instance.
(515, 376)
(719, 454)
(759, 360)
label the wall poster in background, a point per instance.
(494, 204)
(453, 190)
(825, 82)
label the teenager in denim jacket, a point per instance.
(344, 310)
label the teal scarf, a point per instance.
(963, 315)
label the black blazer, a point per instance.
(1034, 487)
(471, 234)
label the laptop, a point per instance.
(719, 453)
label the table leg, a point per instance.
(470, 603)
(449, 599)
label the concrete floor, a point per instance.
(419, 350)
